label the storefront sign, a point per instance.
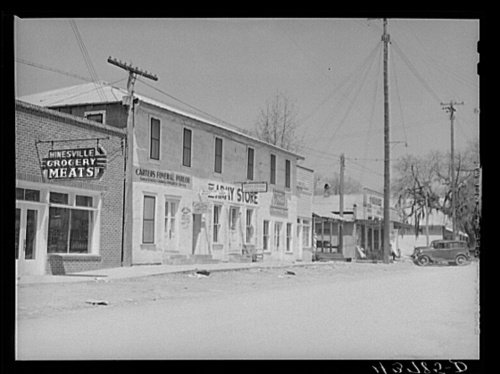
(279, 204)
(231, 193)
(85, 163)
(373, 206)
(163, 177)
(254, 186)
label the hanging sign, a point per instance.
(254, 187)
(83, 163)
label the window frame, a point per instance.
(148, 220)
(93, 113)
(249, 226)
(151, 121)
(266, 235)
(288, 174)
(216, 224)
(289, 237)
(272, 171)
(217, 156)
(184, 148)
(250, 163)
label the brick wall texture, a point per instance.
(35, 124)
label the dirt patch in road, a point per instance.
(39, 300)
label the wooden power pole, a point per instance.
(450, 108)
(133, 72)
(341, 204)
(387, 168)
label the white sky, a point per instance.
(331, 69)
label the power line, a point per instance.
(87, 59)
(340, 86)
(352, 102)
(415, 71)
(47, 68)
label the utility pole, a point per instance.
(341, 204)
(129, 158)
(387, 168)
(450, 108)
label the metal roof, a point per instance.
(104, 93)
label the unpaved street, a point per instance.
(340, 310)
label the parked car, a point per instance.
(442, 250)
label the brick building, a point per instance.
(190, 176)
(69, 192)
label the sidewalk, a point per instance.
(149, 270)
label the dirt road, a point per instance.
(343, 310)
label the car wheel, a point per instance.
(460, 260)
(423, 260)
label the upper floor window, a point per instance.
(250, 162)
(287, 173)
(97, 116)
(272, 179)
(154, 150)
(186, 148)
(218, 155)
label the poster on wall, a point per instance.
(75, 163)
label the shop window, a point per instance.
(288, 237)
(27, 194)
(249, 225)
(148, 220)
(287, 174)
(233, 217)
(216, 223)
(170, 214)
(154, 152)
(250, 162)
(186, 148)
(277, 235)
(265, 236)
(59, 198)
(69, 230)
(83, 201)
(272, 178)
(218, 155)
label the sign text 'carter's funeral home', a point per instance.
(163, 177)
(86, 163)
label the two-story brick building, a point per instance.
(190, 180)
(69, 192)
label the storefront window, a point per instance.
(148, 228)
(216, 223)
(59, 198)
(288, 237)
(249, 226)
(69, 230)
(277, 234)
(233, 217)
(265, 236)
(27, 194)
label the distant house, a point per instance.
(362, 223)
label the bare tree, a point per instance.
(277, 122)
(423, 185)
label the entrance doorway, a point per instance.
(28, 252)
(196, 230)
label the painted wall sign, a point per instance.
(163, 177)
(279, 204)
(232, 193)
(85, 163)
(200, 207)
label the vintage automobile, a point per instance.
(455, 251)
